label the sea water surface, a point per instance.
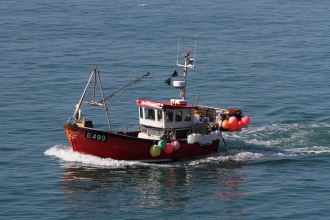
(269, 58)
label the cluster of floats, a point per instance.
(167, 130)
(213, 125)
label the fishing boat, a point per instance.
(167, 130)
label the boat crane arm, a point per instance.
(126, 87)
(95, 70)
(101, 103)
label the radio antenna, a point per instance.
(195, 49)
(177, 56)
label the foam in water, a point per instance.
(239, 155)
(252, 144)
(67, 154)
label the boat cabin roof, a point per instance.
(173, 104)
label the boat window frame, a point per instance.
(178, 115)
(149, 114)
(168, 116)
(141, 112)
(159, 115)
(187, 114)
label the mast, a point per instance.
(185, 73)
(188, 63)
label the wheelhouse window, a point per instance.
(141, 112)
(178, 115)
(149, 113)
(159, 115)
(187, 114)
(169, 115)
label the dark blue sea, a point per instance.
(269, 58)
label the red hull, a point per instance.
(124, 147)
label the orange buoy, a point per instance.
(225, 124)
